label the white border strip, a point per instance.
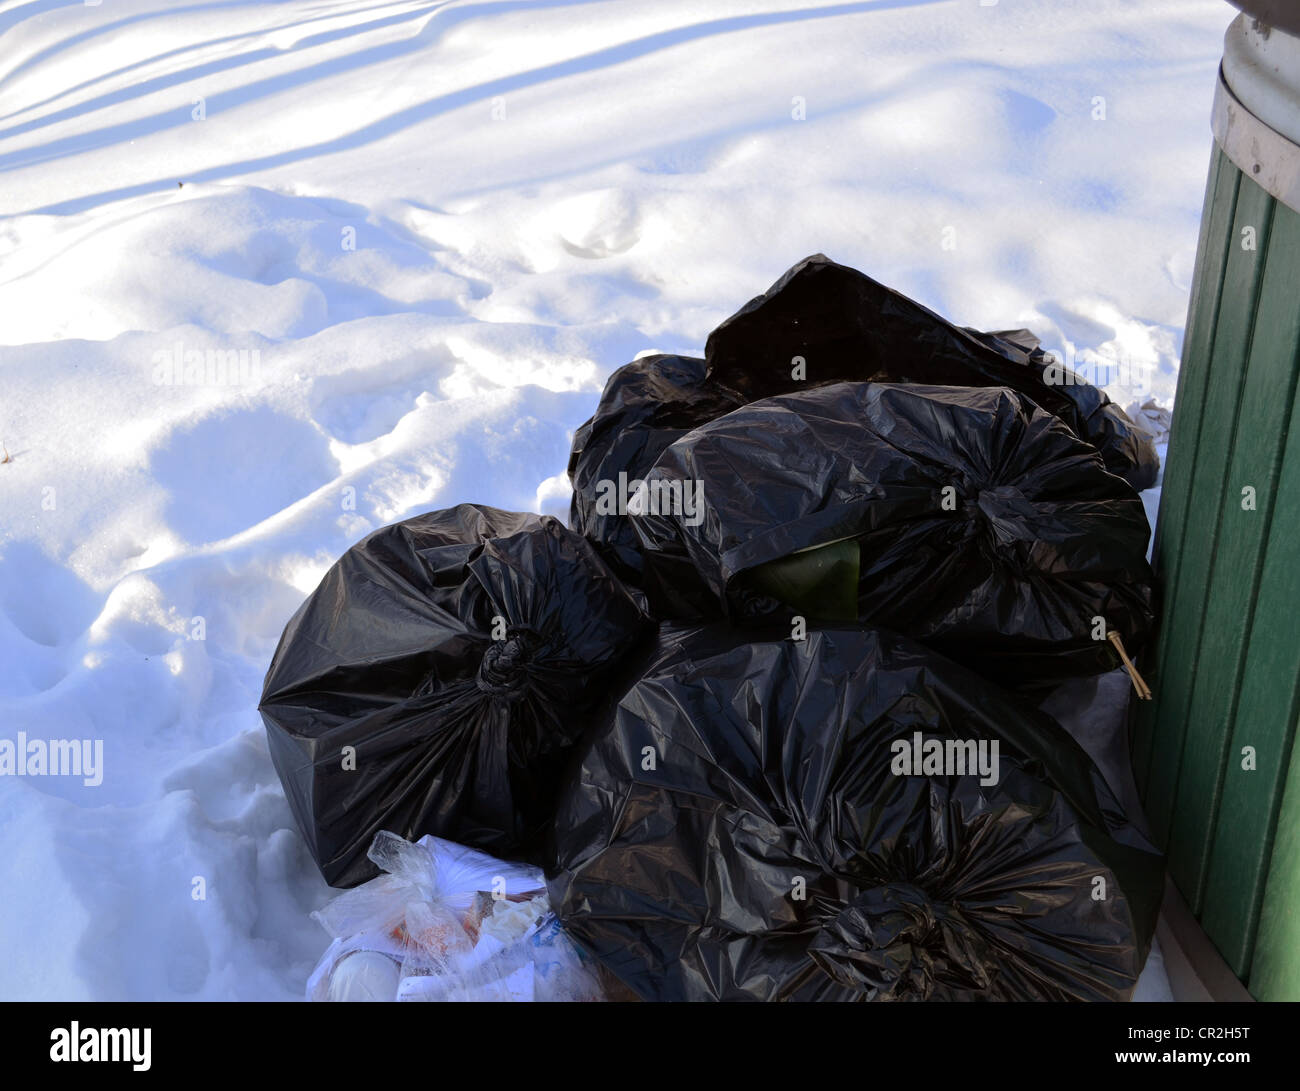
(1264, 155)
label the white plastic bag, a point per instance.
(447, 923)
(1152, 418)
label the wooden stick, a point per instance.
(1143, 690)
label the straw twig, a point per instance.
(1143, 690)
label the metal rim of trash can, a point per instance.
(1269, 157)
(1261, 66)
(1282, 14)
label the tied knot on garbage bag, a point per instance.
(504, 670)
(1006, 513)
(893, 942)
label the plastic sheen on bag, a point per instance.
(447, 923)
(436, 679)
(749, 824)
(966, 518)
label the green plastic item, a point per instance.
(819, 583)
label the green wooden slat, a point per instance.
(1263, 415)
(1185, 591)
(1275, 971)
(1202, 312)
(1270, 696)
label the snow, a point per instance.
(536, 192)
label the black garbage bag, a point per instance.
(436, 679)
(964, 517)
(646, 405)
(845, 326)
(742, 827)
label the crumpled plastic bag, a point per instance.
(436, 679)
(743, 828)
(966, 518)
(1153, 418)
(447, 923)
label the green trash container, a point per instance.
(1213, 752)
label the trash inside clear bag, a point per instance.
(448, 923)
